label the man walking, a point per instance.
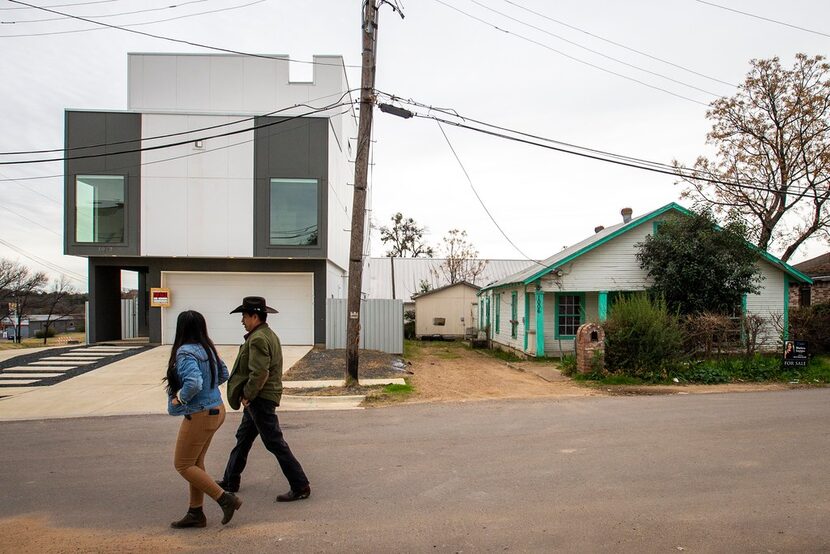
(256, 384)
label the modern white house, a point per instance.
(537, 311)
(221, 179)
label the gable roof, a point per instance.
(540, 269)
(818, 267)
(445, 287)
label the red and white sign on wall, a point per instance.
(159, 298)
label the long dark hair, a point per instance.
(191, 328)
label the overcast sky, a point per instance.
(525, 79)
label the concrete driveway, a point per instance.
(129, 386)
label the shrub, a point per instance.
(709, 333)
(811, 324)
(642, 338)
(48, 333)
(568, 365)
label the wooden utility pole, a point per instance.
(361, 169)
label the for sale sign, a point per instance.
(795, 353)
(159, 298)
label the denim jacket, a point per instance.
(193, 369)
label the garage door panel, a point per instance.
(216, 294)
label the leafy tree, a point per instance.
(461, 261)
(773, 135)
(697, 266)
(406, 238)
(57, 304)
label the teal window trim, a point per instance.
(514, 314)
(498, 313)
(540, 324)
(602, 305)
(655, 227)
(527, 315)
(487, 316)
(581, 296)
(786, 307)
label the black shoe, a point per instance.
(229, 503)
(227, 486)
(193, 518)
(293, 495)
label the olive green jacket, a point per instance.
(257, 372)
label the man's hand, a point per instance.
(245, 402)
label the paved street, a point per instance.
(698, 473)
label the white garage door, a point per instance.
(216, 294)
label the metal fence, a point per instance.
(381, 324)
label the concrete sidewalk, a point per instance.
(134, 386)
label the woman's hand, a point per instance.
(175, 401)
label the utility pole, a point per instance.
(361, 169)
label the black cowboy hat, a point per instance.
(254, 304)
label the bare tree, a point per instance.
(20, 291)
(772, 164)
(56, 304)
(406, 238)
(461, 261)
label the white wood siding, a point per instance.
(769, 302)
(197, 205)
(611, 266)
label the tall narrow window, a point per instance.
(568, 314)
(99, 209)
(498, 313)
(293, 212)
(514, 314)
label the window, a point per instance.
(498, 313)
(804, 296)
(99, 209)
(293, 212)
(439, 321)
(514, 314)
(568, 314)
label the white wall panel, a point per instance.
(192, 84)
(769, 302)
(208, 191)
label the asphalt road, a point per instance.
(699, 473)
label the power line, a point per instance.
(66, 5)
(574, 58)
(598, 53)
(654, 167)
(480, 201)
(168, 135)
(180, 41)
(45, 263)
(146, 10)
(122, 27)
(765, 18)
(609, 41)
(179, 143)
(15, 181)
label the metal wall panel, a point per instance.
(381, 324)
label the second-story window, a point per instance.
(99, 209)
(293, 212)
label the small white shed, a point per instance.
(448, 312)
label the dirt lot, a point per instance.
(451, 372)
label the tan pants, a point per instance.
(192, 444)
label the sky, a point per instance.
(554, 79)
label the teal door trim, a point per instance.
(603, 305)
(540, 324)
(487, 315)
(527, 316)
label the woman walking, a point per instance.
(194, 374)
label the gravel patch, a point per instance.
(321, 364)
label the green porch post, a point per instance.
(786, 307)
(540, 324)
(603, 305)
(527, 315)
(487, 316)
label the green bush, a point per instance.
(568, 365)
(643, 338)
(48, 333)
(811, 324)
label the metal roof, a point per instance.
(410, 272)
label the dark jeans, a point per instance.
(260, 418)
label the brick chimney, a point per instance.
(626, 213)
(598, 228)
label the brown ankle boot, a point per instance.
(194, 517)
(229, 503)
